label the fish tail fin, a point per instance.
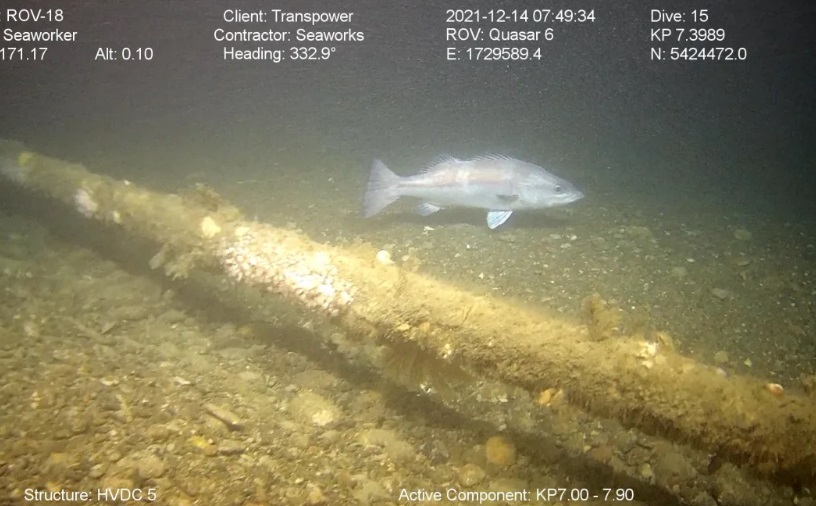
(383, 189)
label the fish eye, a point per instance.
(558, 189)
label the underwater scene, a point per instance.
(407, 253)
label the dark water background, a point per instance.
(735, 134)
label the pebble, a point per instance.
(475, 455)
(315, 496)
(672, 469)
(229, 419)
(720, 293)
(149, 467)
(97, 471)
(313, 379)
(172, 316)
(721, 357)
(500, 451)
(158, 432)
(129, 313)
(545, 397)
(370, 491)
(178, 380)
(742, 261)
(742, 234)
(330, 436)
(435, 451)
(679, 272)
(400, 452)
(314, 409)
(602, 454)
(397, 450)
(508, 485)
(230, 448)
(109, 381)
(775, 389)
(57, 464)
(470, 475)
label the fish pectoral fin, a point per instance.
(507, 198)
(427, 209)
(496, 218)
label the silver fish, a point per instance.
(497, 183)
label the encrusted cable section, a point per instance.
(263, 259)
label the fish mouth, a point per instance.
(574, 196)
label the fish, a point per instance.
(498, 183)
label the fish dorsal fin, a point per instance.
(492, 157)
(442, 160)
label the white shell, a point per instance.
(384, 257)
